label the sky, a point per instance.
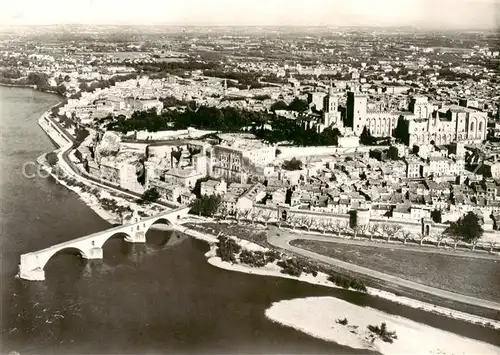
(420, 13)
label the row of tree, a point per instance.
(240, 80)
(292, 164)
(467, 229)
(149, 196)
(227, 119)
(10, 74)
(13, 76)
(174, 68)
(297, 105)
(366, 138)
(296, 133)
(206, 206)
(204, 117)
(105, 83)
(230, 251)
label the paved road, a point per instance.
(64, 157)
(414, 248)
(281, 239)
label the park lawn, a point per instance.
(472, 277)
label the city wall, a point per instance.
(167, 135)
(290, 152)
(297, 152)
(414, 227)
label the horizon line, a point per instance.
(419, 27)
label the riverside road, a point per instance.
(282, 239)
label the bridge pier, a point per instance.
(37, 274)
(94, 253)
(29, 268)
(137, 237)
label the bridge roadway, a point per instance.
(32, 264)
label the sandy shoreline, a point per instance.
(317, 316)
(322, 280)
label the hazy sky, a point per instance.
(423, 13)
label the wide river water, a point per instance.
(162, 297)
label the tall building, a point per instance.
(331, 101)
(420, 107)
(329, 104)
(332, 117)
(380, 123)
(451, 124)
(421, 124)
(239, 155)
(316, 99)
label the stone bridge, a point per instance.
(32, 264)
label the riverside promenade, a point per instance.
(281, 239)
(66, 142)
(396, 244)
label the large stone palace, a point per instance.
(423, 123)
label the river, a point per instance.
(162, 297)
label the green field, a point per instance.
(473, 277)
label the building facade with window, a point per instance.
(422, 123)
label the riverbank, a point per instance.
(96, 198)
(89, 199)
(61, 141)
(91, 194)
(54, 133)
(27, 86)
(324, 318)
(322, 280)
